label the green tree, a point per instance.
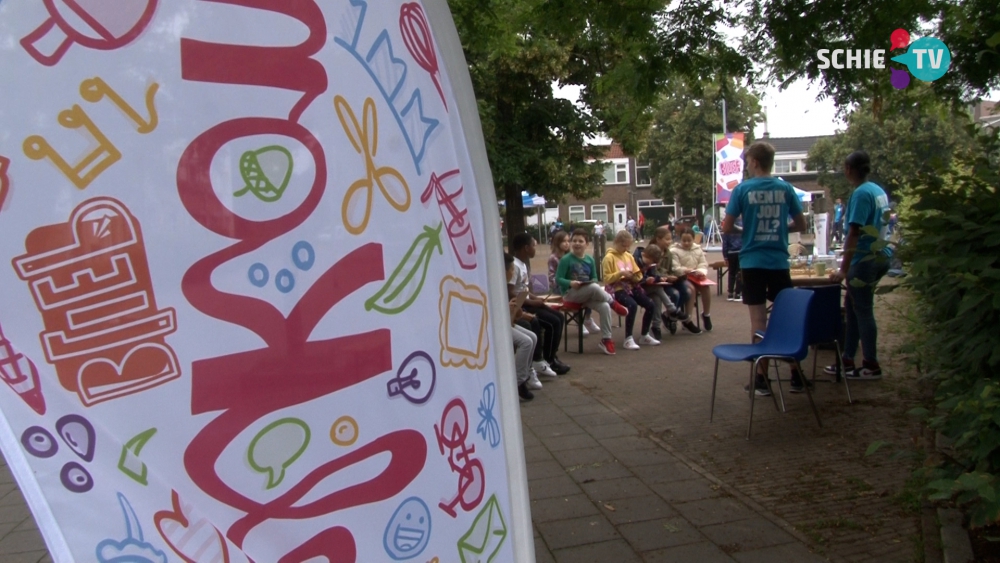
(919, 136)
(680, 148)
(618, 53)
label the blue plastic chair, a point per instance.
(785, 339)
(826, 325)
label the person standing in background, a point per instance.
(731, 245)
(838, 221)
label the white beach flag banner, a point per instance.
(253, 307)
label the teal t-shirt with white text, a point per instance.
(868, 207)
(765, 203)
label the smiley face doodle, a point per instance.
(408, 530)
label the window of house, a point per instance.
(649, 203)
(616, 172)
(599, 213)
(577, 213)
(642, 175)
(786, 166)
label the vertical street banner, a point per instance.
(728, 164)
(252, 299)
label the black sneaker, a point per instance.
(524, 393)
(760, 387)
(833, 369)
(737, 297)
(656, 332)
(729, 296)
(558, 367)
(707, 321)
(796, 384)
(691, 327)
(865, 373)
(672, 326)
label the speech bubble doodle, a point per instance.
(900, 38)
(129, 463)
(266, 172)
(276, 447)
(344, 431)
(488, 427)
(408, 531)
(78, 434)
(928, 58)
(415, 379)
(134, 548)
(406, 281)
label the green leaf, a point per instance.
(874, 447)
(994, 40)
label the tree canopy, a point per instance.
(680, 144)
(618, 53)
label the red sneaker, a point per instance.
(607, 346)
(619, 308)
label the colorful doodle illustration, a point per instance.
(134, 548)
(451, 436)
(416, 34)
(266, 172)
(90, 279)
(20, 373)
(276, 447)
(389, 74)
(96, 89)
(488, 426)
(408, 531)
(357, 207)
(241, 388)
(415, 379)
(91, 165)
(39, 442)
(459, 229)
(462, 331)
(190, 535)
(406, 281)
(485, 537)
(4, 180)
(105, 26)
(77, 433)
(129, 462)
(303, 256)
(344, 431)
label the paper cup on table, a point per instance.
(820, 268)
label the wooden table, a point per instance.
(811, 281)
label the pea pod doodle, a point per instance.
(406, 281)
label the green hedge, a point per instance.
(952, 246)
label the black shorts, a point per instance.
(760, 284)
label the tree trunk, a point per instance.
(514, 220)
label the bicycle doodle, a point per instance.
(389, 74)
(451, 436)
(103, 330)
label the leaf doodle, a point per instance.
(406, 281)
(266, 172)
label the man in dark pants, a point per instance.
(522, 246)
(765, 203)
(732, 243)
(866, 259)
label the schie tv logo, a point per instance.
(926, 58)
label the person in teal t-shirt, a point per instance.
(868, 207)
(765, 203)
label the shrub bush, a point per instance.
(952, 245)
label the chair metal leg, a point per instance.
(581, 319)
(715, 381)
(810, 395)
(753, 393)
(815, 352)
(566, 319)
(781, 393)
(840, 369)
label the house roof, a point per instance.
(793, 144)
(614, 150)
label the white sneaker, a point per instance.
(648, 340)
(630, 344)
(541, 367)
(592, 326)
(533, 382)
(585, 331)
